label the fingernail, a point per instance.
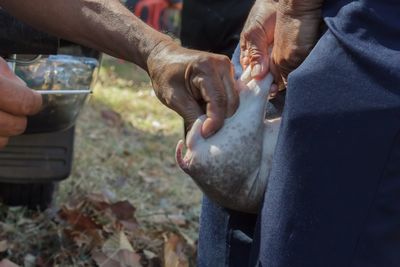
(256, 70)
(206, 130)
(207, 134)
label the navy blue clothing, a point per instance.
(333, 197)
(225, 236)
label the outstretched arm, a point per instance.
(104, 25)
(184, 80)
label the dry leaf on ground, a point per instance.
(174, 251)
(117, 252)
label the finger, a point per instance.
(18, 99)
(190, 112)
(258, 59)
(3, 141)
(11, 125)
(259, 68)
(244, 59)
(213, 93)
(273, 91)
(231, 92)
(284, 83)
(257, 47)
(275, 72)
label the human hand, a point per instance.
(257, 37)
(16, 102)
(296, 32)
(256, 40)
(193, 83)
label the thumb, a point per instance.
(190, 113)
(215, 98)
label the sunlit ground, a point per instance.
(124, 148)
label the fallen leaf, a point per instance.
(117, 252)
(118, 241)
(122, 258)
(123, 210)
(99, 201)
(174, 255)
(102, 260)
(152, 259)
(77, 219)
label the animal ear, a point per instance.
(194, 135)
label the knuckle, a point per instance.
(222, 63)
(226, 61)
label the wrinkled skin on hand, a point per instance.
(16, 102)
(291, 29)
(232, 166)
(194, 83)
(297, 31)
(257, 37)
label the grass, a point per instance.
(124, 148)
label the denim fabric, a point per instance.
(333, 196)
(225, 236)
(212, 246)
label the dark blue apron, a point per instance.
(333, 197)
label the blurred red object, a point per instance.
(151, 11)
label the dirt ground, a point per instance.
(125, 148)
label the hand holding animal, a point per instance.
(232, 166)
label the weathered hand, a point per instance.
(16, 102)
(193, 83)
(257, 37)
(296, 32)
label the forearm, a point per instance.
(105, 25)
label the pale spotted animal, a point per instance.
(232, 166)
